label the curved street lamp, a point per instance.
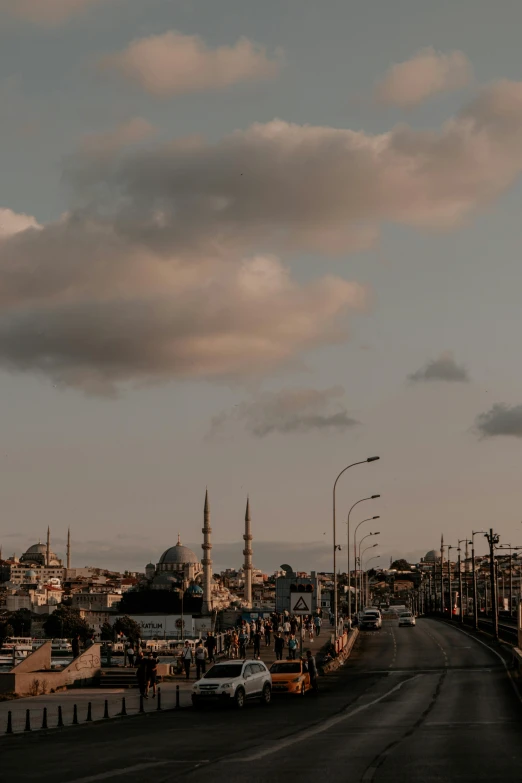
(361, 462)
(371, 497)
(368, 519)
(375, 557)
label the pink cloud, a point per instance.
(427, 73)
(174, 63)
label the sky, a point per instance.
(244, 245)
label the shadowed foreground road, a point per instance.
(413, 704)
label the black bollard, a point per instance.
(60, 718)
(141, 703)
(27, 720)
(106, 713)
(177, 697)
(75, 715)
(44, 718)
(89, 712)
(123, 707)
(9, 729)
(158, 707)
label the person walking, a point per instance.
(257, 644)
(279, 646)
(211, 646)
(151, 663)
(287, 628)
(142, 676)
(243, 641)
(187, 659)
(130, 655)
(312, 670)
(268, 632)
(317, 622)
(234, 646)
(201, 660)
(292, 647)
(228, 644)
(311, 631)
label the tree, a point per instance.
(107, 632)
(401, 565)
(66, 623)
(128, 627)
(21, 622)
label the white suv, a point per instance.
(234, 682)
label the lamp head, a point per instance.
(372, 459)
(374, 496)
(377, 517)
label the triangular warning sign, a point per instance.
(301, 606)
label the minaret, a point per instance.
(207, 559)
(247, 551)
(68, 548)
(48, 551)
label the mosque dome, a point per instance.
(194, 590)
(30, 575)
(431, 556)
(178, 555)
(37, 549)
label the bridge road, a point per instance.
(420, 705)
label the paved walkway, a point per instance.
(81, 697)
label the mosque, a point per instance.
(179, 569)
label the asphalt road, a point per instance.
(425, 704)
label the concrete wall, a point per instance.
(83, 670)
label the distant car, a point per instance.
(290, 677)
(371, 619)
(406, 618)
(234, 682)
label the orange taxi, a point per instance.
(290, 677)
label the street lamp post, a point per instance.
(450, 602)
(375, 557)
(361, 571)
(363, 581)
(475, 596)
(461, 614)
(493, 539)
(361, 462)
(369, 519)
(371, 497)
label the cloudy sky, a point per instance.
(245, 244)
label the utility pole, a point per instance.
(475, 591)
(493, 539)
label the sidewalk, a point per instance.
(81, 697)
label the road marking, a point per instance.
(313, 730)
(112, 773)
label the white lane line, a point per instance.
(313, 730)
(113, 773)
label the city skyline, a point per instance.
(279, 253)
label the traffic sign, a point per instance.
(301, 603)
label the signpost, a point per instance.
(301, 603)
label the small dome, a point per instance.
(194, 590)
(179, 555)
(150, 565)
(30, 574)
(431, 556)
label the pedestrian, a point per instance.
(76, 645)
(187, 659)
(211, 646)
(228, 643)
(130, 655)
(151, 665)
(287, 628)
(292, 647)
(312, 670)
(243, 641)
(257, 644)
(279, 646)
(201, 660)
(317, 622)
(311, 631)
(142, 676)
(234, 646)
(89, 642)
(268, 631)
